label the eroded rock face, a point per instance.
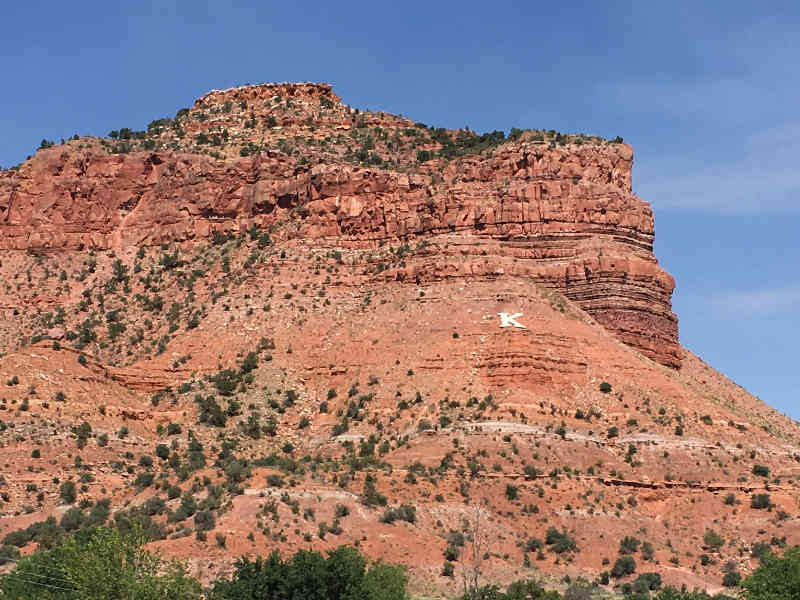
(376, 293)
(565, 217)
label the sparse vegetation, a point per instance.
(761, 470)
(234, 402)
(760, 501)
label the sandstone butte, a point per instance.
(299, 301)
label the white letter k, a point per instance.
(508, 320)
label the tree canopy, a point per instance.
(308, 575)
(101, 564)
(776, 578)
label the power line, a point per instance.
(47, 585)
(19, 576)
(44, 580)
(42, 567)
(34, 574)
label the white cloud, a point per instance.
(709, 100)
(750, 183)
(725, 161)
(757, 302)
(724, 138)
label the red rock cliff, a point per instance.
(564, 216)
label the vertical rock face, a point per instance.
(564, 216)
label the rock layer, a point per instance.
(563, 216)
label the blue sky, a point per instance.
(706, 92)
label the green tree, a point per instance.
(105, 565)
(346, 568)
(264, 579)
(776, 578)
(385, 582)
(309, 576)
(67, 492)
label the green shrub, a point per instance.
(629, 545)
(625, 565)
(713, 540)
(144, 480)
(250, 362)
(731, 579)
(647, 551)
(226, 381)
(559, 541)
(760, 501)
(100, 512)
(162, 451)
(67, 492)
(512, 492)
(370, 496)
(204, 520)
(404, 512)
(761, 470)
(211, 412)
(525, 590)
(275, 480)
(647, 582)
(760, 549)
(73, 519)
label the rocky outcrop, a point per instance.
(564, 216)
(265, 92)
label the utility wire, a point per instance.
(47, 585)
(40, 576)
(42, 567)
(19, 575)
(44, 580)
